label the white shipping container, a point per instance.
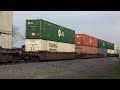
(45, 45)
(111, 51)
(116, 52)
(6, 21)
(52, 46)
(6, 41)
(35, 45)
(116, 47)
(108, 51)
(65, 47)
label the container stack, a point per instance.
(6, 22)
(117, 49)
(85, 44)
(42, 35)
(105, 47)
(102, 47)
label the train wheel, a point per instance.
(10, 61)
(15, 59)
(36, 58)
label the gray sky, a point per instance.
(101, 24)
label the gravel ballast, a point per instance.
(70, 69)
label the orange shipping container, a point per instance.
(85, 50)
(85, 40)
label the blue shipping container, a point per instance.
(102, 51)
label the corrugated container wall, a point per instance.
(105, 44)
(85, 50)
(6, 41)
(85, 40)
(110, 45)
(102, 44)
(109, 51)
(45, 45)
(118, 52)
(41, 29)
(6, 21)
(117, 47)
(102, 51)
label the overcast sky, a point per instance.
(101, 24)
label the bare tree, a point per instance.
(17, 36)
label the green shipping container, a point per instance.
(41, 29)
(102, 44)
(105, 44)
(110, 45)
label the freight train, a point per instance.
(49, 41)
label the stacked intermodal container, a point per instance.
(86, 50)
(49, 41)
(102, 47)
(6, 22)
(44, 45)
(117, 48)
(110, 47)
(42, 35)
(85, 40)
(102, 51)
(85, 44)
(106, 47)
(109, 51)
(105, 44)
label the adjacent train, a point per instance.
(49, 41)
